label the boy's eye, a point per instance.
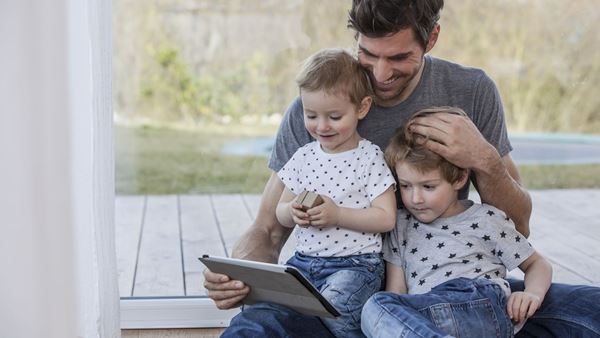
(335, 117)
(403, 186)
(429, 186)
(310, 117)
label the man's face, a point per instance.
(394, 63)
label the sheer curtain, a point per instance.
(57, 256)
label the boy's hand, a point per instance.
(325, 214)
(522, 305)
(298, 214)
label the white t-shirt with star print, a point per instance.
(352, 179)
(479, 242)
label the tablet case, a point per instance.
(272, 283)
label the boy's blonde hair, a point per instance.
(335, 71)
(406, 146)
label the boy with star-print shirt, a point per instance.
(338, 243)
(447, 258)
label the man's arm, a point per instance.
(459, 141)
(261, 242)
(265, 237)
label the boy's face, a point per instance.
(332, 119)
(428, 196)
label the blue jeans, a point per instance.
(567, 311)
(461, 307)
(347, 282)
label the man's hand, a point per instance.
(522, 305)
(325, 214)
(455, 138)
(224, 292)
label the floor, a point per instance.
(159, 239)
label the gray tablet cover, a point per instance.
(272, 283)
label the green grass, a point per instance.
(170, 161)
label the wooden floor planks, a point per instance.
(160, 237)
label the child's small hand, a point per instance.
(299, 216)
(325, 214)
(522, 305)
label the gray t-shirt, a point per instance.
(442, 84)
(480, 242)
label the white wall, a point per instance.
(58, 270)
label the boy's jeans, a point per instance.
(347, 282)
(461, 307)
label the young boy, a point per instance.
(338, 242)
(450, 255)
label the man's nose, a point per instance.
(382, 70)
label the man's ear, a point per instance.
(433, 37)
(364, 107)
(462, 181)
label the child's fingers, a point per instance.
(516, 308)
(509, 305)
(533, 308)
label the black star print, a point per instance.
(500, 253)
(493, 252)
(421, 281)
(424, 259)
(478, 270)
(434, 267)
(488, 276)
(407, 216)
(497, 273)
(469, 244)
(415, 225)
(429, 236)
(414, 251)
(518, 239)
(441, 245)
(475, 226)
(517, 256)
(404, 243)
(507, 218)
(485, 238)
(414, 275)
(491, 213)
(479, 256)
(452, 255)
(456, 233)
(394, 250)
(503, 234)
(465, 261)
(448, 273)
(444, 227)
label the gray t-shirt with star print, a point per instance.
(479, 242)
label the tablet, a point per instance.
(272, 283)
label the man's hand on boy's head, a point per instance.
(325, 214)
(455, 138)
(522, 305)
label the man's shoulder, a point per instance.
(449, 70)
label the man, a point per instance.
(393, 38)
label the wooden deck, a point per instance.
(160, 237)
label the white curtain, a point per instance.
(57, 256)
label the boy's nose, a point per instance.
(417, 197)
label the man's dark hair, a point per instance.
(379, 18)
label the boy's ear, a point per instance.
(364, 107)
(463, 179)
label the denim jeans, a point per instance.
(567, 311)
(461, 307)
(347, 282)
